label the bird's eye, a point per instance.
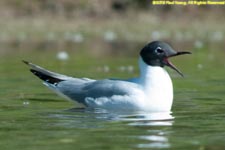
(159, 50)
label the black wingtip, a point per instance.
(45, 77)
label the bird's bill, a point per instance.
(180, 53)
(169, 64)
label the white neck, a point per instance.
(157, 85)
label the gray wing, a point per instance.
(80, 90)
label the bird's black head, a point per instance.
(157, 53)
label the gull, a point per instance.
(151, 91)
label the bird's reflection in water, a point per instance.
(153, 127)
(156, 118)
(155, 139)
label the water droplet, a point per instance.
(106, 68)
(198, 44)
(78, 38)
(130, 69)
(66, 140)
(110, 36)
(122, 68)
(62, 55)
(26, 103)
(156, 35)
(200, 66)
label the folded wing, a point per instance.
(92, 93)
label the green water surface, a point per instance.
(34, 118)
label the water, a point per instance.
(32, 117)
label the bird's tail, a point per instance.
(45, 75)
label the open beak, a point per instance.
(169, 64)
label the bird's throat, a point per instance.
(155, 78)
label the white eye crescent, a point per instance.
(159, 50)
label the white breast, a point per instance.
(157, 87)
